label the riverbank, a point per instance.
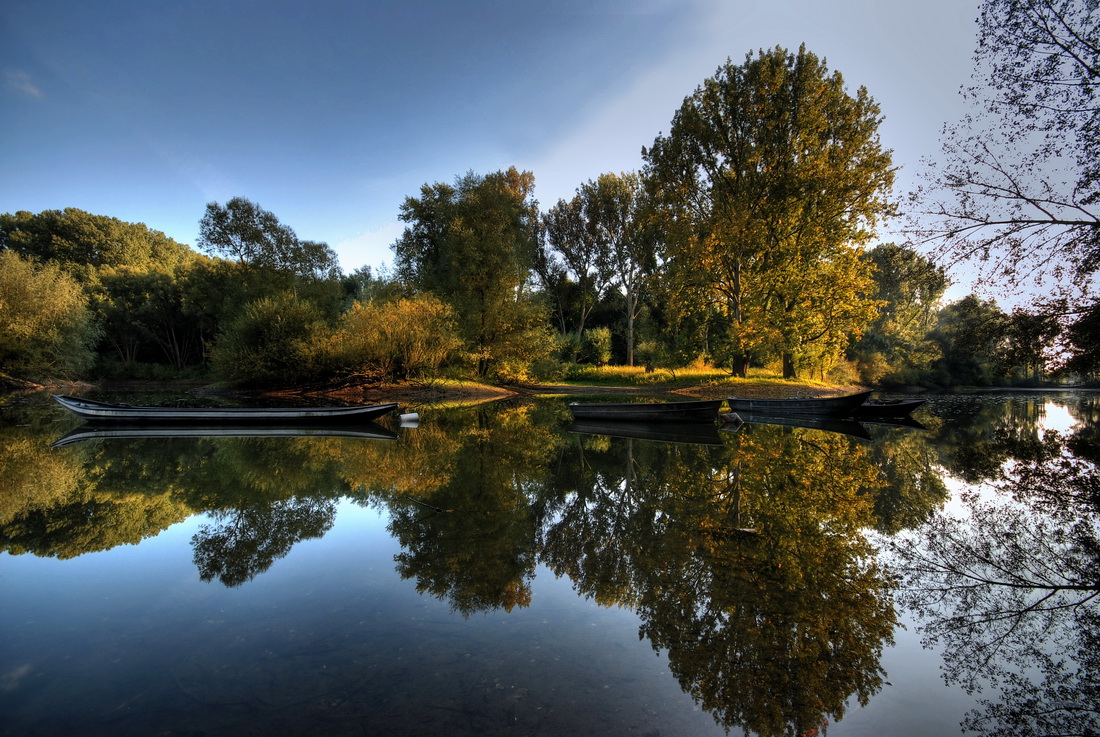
(462, 391)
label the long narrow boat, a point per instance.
(695, 411)
(842, 406)
(94, 411)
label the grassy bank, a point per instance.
(691, 381)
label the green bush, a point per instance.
(401, 339)
(272, 341)
(597, 345)
(46, 328)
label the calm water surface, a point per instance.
(493, 571)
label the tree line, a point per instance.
(747, 239)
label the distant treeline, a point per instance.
(746, 240)
(87, 296)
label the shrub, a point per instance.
(598, 345)
(402, 339)
(272, 341)
(46, 329)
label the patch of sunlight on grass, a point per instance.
(767, 381)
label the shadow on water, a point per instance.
(750, 561)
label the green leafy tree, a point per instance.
(474, 245)
(46, 328)
(623, 220)
(81, 242)
(1031, 344)
(407, 338)
(146, 316)
(896, 347)
(244, 232)
(770, 175)
(970, 334)
(1083, 338)
(1018, 187)
(567, 231)
(271, 342)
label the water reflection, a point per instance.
(747, 557)
(746, 564)
(1007, 587)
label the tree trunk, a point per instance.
(629, 332)
(789, 371)
(740, 367)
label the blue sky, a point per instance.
(329, 113)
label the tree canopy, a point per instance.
(473, 245)
(242, 231)
(75, 239)
(770, 174)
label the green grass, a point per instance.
(760, 382)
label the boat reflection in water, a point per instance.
(704, 433)
(125, 431)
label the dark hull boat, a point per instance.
(93, 411)
(820, 406)
(887, 407)
(698, 411)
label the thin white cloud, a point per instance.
(22, 82)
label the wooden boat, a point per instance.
(887, 407)
(696, 411)
(128, 431)
(94, 411)
(683, 433)
(842, 406)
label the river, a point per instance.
(495, 572)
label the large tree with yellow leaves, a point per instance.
(772, 175)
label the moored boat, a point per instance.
(95, 411)
(842, 406)
(693, 411)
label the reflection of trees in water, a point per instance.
(471, 538)
(910, 485)
(245, 542)
(745, 563)
(981, 435)
(1009, 591)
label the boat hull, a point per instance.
(700, 411)
(824, 406)
(96, 412)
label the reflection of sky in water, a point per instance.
(134, 634)
(330, 637)
(1057, 417)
